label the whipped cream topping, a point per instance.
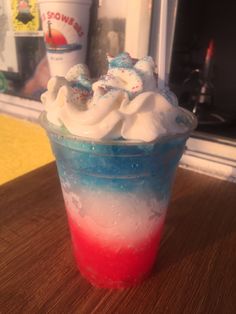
(123, 104)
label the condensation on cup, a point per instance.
(65, 26)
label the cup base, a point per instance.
(116, 285)
(113, 266)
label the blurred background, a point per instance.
(132, 26)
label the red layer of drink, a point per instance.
(112, 266)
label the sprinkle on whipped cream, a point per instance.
(123, 104)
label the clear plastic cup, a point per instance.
(116, 196)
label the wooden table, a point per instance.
(195, 271)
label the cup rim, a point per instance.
(62, 132)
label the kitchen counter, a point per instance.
(195, 270)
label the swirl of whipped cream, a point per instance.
(123, 104)
(150, 115)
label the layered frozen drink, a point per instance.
(117, 144)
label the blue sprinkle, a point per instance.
(82, 83)
(123, 60)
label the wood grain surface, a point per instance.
(195, 271)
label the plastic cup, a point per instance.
(116, 196)
(65, 27)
